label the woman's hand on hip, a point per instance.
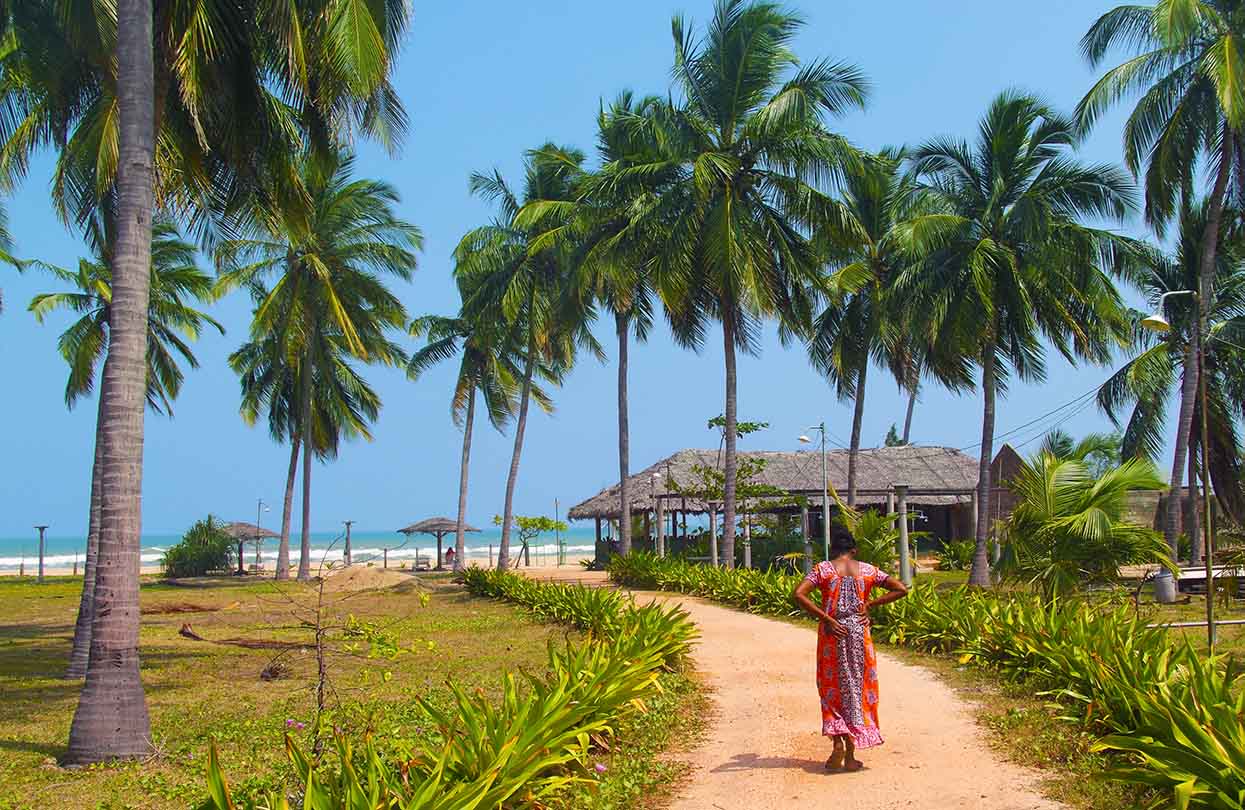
(835, 627)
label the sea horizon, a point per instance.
(63, 551)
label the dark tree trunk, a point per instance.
(858, 418)
(730, 462)
(287, 511)
(111, 720)
(621, 323)
(86, 606)
(460, 540)
(512, 479)
(304, 546)
(1174, 514)
(1194, 529)
(907, 422)
(980, 574)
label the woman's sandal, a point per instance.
(835, 762)
(853, 765)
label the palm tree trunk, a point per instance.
(624, 438)
(86, 606)
(111, 720)
(980, 574)
(858, 418)
(304, 547)
(1194, 526)
(1174, 515)
(287, 509)
(730, 463)
(503, 550)
(460, 541)
(907, 422)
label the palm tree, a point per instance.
(512, 279)
(491, 364)
(1190, 108)
(863, 322)
(1069, 527)
(102, 85)
(750, 156)
(1163, 364)
(613, 244)
(329, 300)
(1099, 452)
(176, 280)
(1011, 265)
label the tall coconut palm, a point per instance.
(512, 278)
(176, 282)
(613, 243)
(1136, 396)
(328, 258)
(864, 322)
(111, 719)
(103, 84)
(1184, 69)
(1011, 265)
(753, 159)
(491, 364)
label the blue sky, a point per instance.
(483, 82)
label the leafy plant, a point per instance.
(204, 548)
(956, 555)
(1069, 528)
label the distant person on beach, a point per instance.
(847, 671)
(449, 557)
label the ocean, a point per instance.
(366, 546)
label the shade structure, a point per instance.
(244, 532)
(438, 527)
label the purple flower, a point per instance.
(299, 726)
(600, 767)
(289, 722)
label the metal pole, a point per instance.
(905, 560)
(825, 496)
(41, 529)
(557, 534)
(346, 552)
(259, 511)
(713, 535)
(808, 540)
(1208, 543)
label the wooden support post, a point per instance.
(905, 561)
(661, 528)
(713, 535)
(41, 529)
(747, 538)
(440, 535)
(805, 530)
(386, 557)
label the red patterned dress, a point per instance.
(847, 670)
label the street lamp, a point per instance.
(260, 509)
(1157, 323)
(825, 486)
(658, 517)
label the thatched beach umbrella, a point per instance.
(247, 532)
(438, 526)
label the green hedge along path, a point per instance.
(763, 748)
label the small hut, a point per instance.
(244, 533)
(439, 527)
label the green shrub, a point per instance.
(533, 743)
(204, 548)
(956, 555)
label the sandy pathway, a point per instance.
(764, 748)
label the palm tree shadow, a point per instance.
(749, 762)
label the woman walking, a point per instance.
(847, 671)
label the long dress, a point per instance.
(847, 670)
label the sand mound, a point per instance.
(363, 578)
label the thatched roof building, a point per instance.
(935, 476)
(241, 530)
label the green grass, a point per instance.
(199, 691)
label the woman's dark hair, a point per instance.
(841, 541)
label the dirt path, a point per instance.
(764, 748)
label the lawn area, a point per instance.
(198, 691)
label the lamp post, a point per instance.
(825, 487)
(41, 529)
(346, 551)
(659, 517)
(260, 509)
(1157, 323)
